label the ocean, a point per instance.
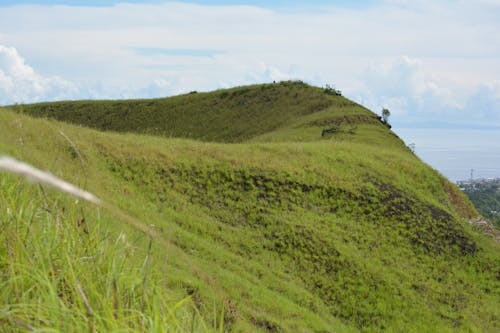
(455, 152)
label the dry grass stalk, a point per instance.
(20, 168)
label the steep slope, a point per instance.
(347, 231)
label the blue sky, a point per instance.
(262, 3)
(434, 64)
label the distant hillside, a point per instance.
(304, 213)
(232, 115)
(485, 195)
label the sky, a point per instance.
(434, 64)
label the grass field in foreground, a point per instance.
(349, 232)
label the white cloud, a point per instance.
(268, 73)
(19, 83)
(452, 48)
(402, 83)
(413, 95)
(484, 104)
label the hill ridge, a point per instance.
(286, 229)
(230, 115)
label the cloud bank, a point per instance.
(430, 62)
(421, 99)
(19, 83)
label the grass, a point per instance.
(232, 115)
(62, 271)
(269, 228)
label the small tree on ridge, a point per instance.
(385, 115)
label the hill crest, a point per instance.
(231, 115)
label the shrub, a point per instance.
(332, 91)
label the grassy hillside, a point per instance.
(285, 231)
(232, 115)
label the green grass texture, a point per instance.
(235, 211)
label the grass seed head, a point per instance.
(41, 177)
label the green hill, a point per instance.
(233, 115)
(258, 219)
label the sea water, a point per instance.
(455, 152)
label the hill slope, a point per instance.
(233, 115)
(343, 232)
